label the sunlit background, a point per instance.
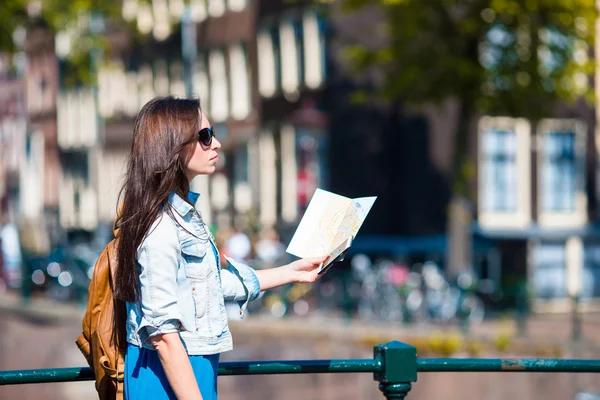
(474, 122)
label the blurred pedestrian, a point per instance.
(269, 249)
(168, 270)
(10, 247)
(238, 246)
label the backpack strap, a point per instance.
(119, 373)
(120, 377)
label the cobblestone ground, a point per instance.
(30, 341)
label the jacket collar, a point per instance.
(180, 205)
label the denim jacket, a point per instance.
(182, 286)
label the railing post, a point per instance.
(575, 318)
(399, 368)
(522, 305)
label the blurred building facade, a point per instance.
(261, 72)
(537, 201)
(40, 166)
(12, 141)
(272, 79)
(263, 111)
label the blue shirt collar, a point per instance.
(181, 206)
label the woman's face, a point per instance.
(203, 158)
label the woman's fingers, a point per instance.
(316, 260)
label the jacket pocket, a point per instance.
(194, 253)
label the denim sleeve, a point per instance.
(158, 258)
(240, 283)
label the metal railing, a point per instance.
(394, 365)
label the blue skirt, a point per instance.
(145, 377)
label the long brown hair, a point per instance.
(156, 166)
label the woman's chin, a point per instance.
(209, 170)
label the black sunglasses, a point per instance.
(206, 135)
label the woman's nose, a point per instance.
(216, 145)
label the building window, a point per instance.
(289, 173)
(161, 78)
(299, 34)
(32, 176)
(201, 85)
(198, 10)
(499, 170)
(219, 101)
(145, 18)
(216, 8)
(267, 153)
(132, 94)
(240, 81)
(76, 119)
(237, 5)
(504, 168)
(558, 172)
(315, 51)
(145, 84)
(550, 272)
(562, 199)
(176, 8)
(119, 89)
(269, 71)
(105, 106)
(112, 90)
(176, 86)
(161, 27)
(323, 26)
(289, 58)
(590, 279)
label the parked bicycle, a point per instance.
(445, 302)
(64, 275)
(394, 292)
(389, 291)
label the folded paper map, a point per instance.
(329, 226)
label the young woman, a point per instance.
(170, 274)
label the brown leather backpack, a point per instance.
(97, 343)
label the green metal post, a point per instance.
(399, 368)
(576, 319)
(463, 318)
(522, 309)
(26, 271)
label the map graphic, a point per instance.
(329, 225)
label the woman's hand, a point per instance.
(305, 269)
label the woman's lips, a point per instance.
(215, 158)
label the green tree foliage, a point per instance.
(82, 19)
(503, 57)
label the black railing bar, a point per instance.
(225, 368)
(330, 366)
(507, 365)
